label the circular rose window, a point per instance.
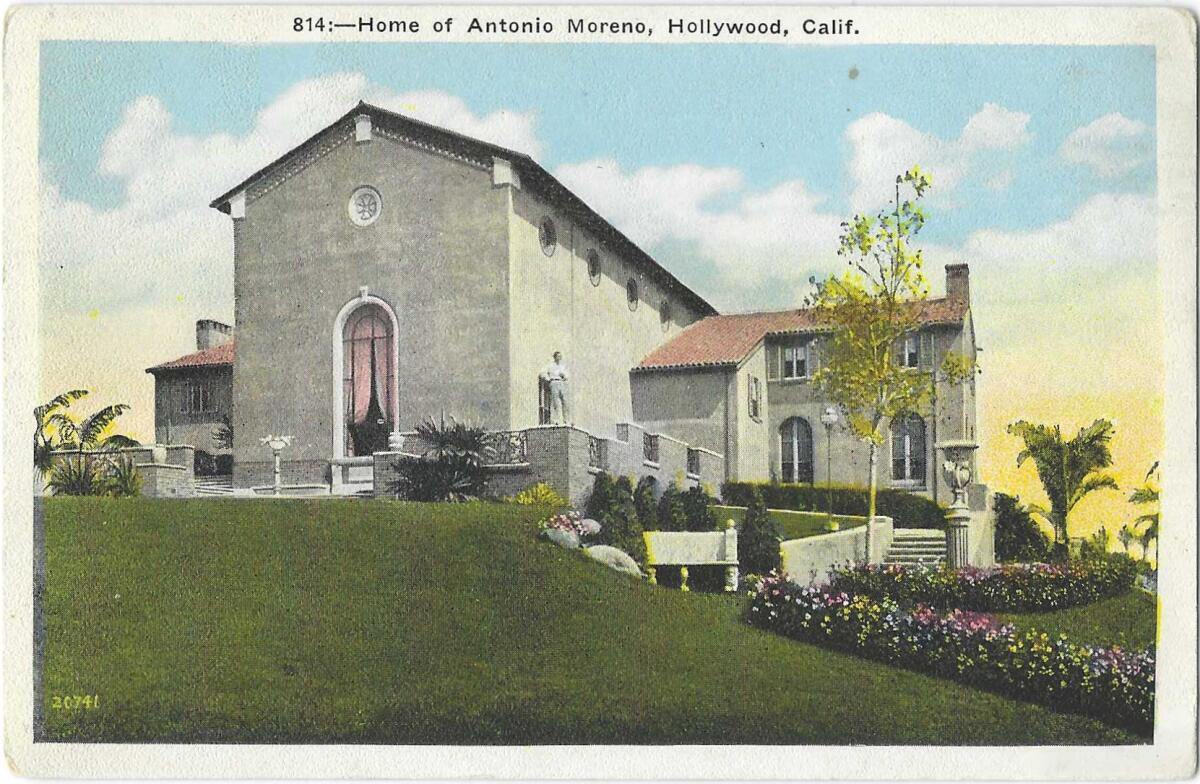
(365, 206)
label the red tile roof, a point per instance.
(726, 340)
(223, 354)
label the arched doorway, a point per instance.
(365, 404)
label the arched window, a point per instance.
(593, 266)
(368, 380)
(908, 450)
(631, 293)
(796, 450)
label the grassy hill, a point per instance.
(351, 621)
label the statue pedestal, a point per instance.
(956, 537)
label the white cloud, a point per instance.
(149, 267)
(1000, 181)
(1111, 146)
(749, 236)
(882, 146)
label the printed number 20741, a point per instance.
(74, 701)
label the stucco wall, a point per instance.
(436, 255)
(555, 306)
(688, 404)
(172, 426)
(749, 441)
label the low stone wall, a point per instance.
(568, 459)
(166, 471)
(810, 561)
(163, 480)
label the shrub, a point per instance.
(618, 517)
(123, 480)
(759, 538)
(1011, 588)
(539, 494)
(973, 648)
(906, 509)
(1018, 536)
(203, 463)
(77, 475)
(645, 504)
(452, 468)
(697, 510)
(671, 514)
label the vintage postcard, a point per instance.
(600, 391)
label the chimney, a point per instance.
(958, 282)
(211, 333)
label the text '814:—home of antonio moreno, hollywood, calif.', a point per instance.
(703, 26)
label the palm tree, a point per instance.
(1068, 470)
(91, 434)
(47, 436)
(1145, 495)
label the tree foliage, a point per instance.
(1069, 470)
(1145, 527)
(871, 309)
(671, 514)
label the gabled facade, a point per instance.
(742, 384)
(386, 271)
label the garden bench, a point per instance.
(688, 548)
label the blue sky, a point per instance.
(774, 113)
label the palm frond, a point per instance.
(91, 430)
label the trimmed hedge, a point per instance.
(1010, 588)
(1114, 685)
(906, 509)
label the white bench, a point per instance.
(687, 548)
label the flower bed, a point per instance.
(974, 648)
(1010, 588)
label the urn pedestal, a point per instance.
(956, 466)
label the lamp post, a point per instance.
(829, 418)
(276, 443)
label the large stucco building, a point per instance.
(387, 270)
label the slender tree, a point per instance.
(1068, 469)
(1146, 525)
(870, 309)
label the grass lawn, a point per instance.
(1129, 621)
(331, 621)
(794, 525)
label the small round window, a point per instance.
(365, 206)
(593, 261)
(631, 293)
(548, 236)
(664, 314)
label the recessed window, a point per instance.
(908, 451)
(755, 402)
(664, 314)
(365, 206)
(631, 293)
(593, 262)
(910, 353)
(796, 361)
(796, 450)
(197, 399)
(548, 236)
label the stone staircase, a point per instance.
(214, 485)
(917, 547)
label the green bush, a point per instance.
(645, 504)
(1018, 536)
(906, 509)
(698, 511)
(759, 538)
(123, 480)
(452, 468)
(611, 504)
(79, 475)
(671, 514)
(539, 494)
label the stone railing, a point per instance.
(810, 561)
(167, 471)
(509, 448)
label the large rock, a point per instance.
(614, 559)
(567, 539)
